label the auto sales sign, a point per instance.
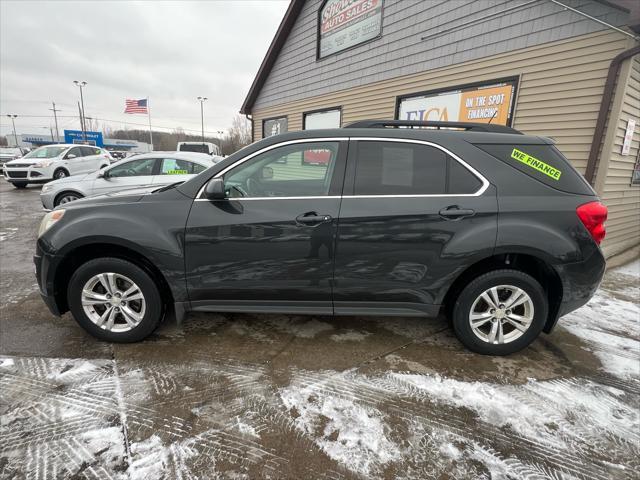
(346, 23)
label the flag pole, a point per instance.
(150, 132)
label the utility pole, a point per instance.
(80, 85)
(202, 100)
(55, 116)
(15, 137)
(81, 120)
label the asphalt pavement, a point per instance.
(286, 396)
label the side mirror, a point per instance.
(70, 156)
(215, 189)
(103, 174)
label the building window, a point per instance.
(345, 24)
(329, 118)
(479, 103)
(635, 176)
(274, 126)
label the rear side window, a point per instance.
(389, 168)
(172, 166)
(542, 162)
(88, 151)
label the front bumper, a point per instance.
(45, 267)
(28, 175)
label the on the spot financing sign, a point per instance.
(479, 104)
(345, 23)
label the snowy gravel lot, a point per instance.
(257, 396)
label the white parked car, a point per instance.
(10, 153)
(202, 147)
(152, 170)
(55, 162)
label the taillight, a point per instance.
(593, 215)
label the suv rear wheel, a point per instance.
(60, 173)
(500, 312)
(115, 300)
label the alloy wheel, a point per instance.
(60, 174)
(67, 199)
(113, 302)
(501, 314)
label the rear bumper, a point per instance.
(580, 281)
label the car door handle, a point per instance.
(454, 212)
(312, 219)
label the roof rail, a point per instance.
(472, 127)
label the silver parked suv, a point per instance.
(54, 162)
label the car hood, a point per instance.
(27, 161)
(72, 179)
(132, 195)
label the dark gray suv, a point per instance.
(492, 227)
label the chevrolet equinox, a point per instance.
(489, 226)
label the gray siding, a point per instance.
(297, 74)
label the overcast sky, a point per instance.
(170, 51)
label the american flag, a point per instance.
(136, 106)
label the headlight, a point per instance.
(46, 188)
(43, 164)
(49, 220)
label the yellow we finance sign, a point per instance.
(533, 162)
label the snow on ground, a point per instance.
(398, 418)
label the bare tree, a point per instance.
(238, 135)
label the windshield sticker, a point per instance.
(536, 164)
(177, 172)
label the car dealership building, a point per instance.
(566, 69)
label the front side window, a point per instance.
(173, 166)
(299, 170)
(77, 151)
(395, 168)
(134, 168)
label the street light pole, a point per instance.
(202, 100)
(15, 137)
(80, 85)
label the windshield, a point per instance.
(46, 152)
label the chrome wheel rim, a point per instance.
(501, 314)
(113, 302)
(67, 199)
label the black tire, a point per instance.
(20, 185)
(60, 173)
(465, 300)
(154, 305)
(69, 196)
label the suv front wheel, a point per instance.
(115, 300)
(500, 312)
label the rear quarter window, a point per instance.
(545, 163)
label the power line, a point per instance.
(123, 122)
